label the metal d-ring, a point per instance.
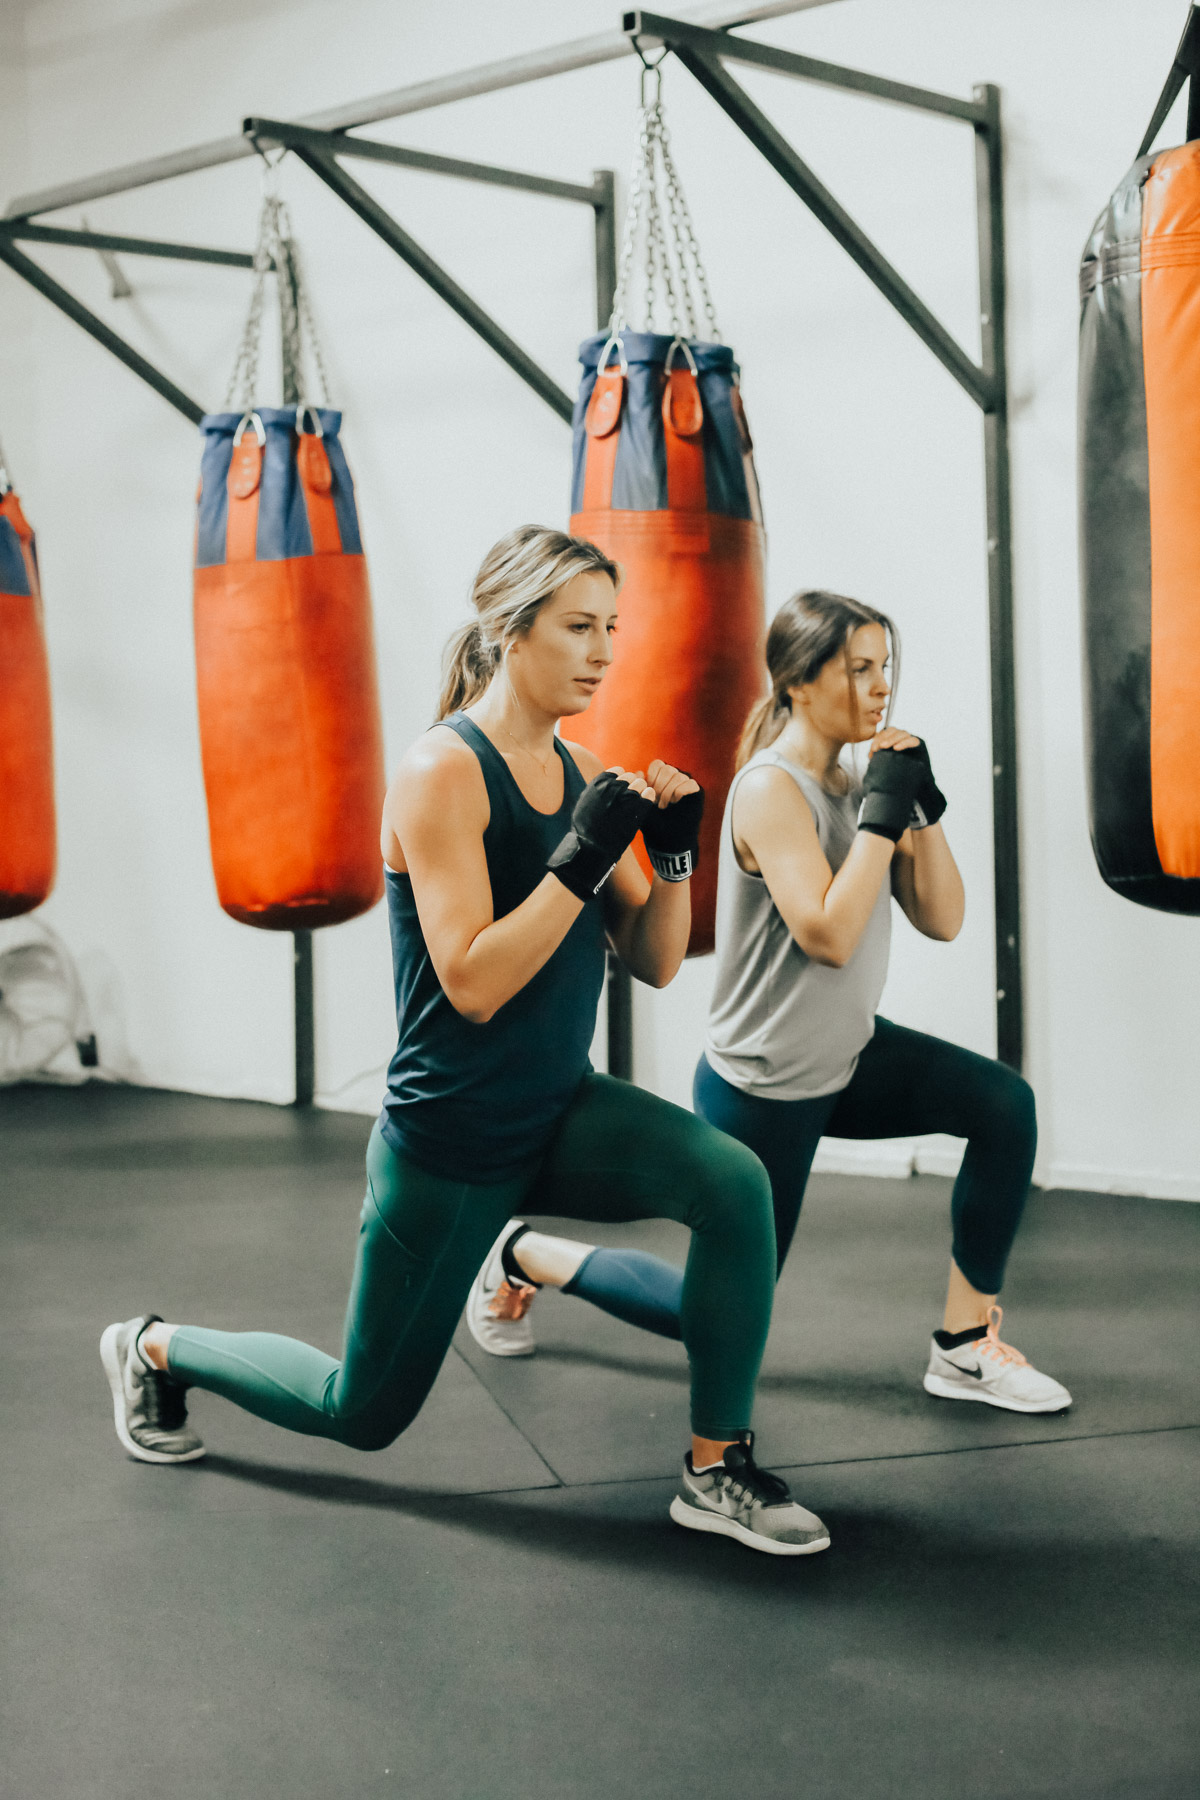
(681, 343)
(303, 408)
(250, 418)
(614, 342)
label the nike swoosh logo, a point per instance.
(975, 1374)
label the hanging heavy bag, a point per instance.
(664, 482)
(27, 833)
(290, 733)
(1139, 489)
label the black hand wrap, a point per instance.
(672, 837)
(930, 802)
(604, 822)
(889, 789)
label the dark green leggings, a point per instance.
(619, 1154)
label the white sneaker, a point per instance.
(737, 1499)
(149, 1409)
(496, 1309)
(988, 1370)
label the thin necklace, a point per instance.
(543, 766)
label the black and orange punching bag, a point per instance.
(27, 835)
(1139, 487)
(290, 733)
(664, 482)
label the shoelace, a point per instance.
(511, 1302)
(164, 1403)
(748, 1481)
(991, 1344)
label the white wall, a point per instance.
(869, 455)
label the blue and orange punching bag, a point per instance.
(27, 830)
(1139, 489)
(291, 738)
(664, 482)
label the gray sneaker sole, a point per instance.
(944, 1389)
(110, 1357)
(694, 1520)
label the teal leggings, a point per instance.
(619, 1154)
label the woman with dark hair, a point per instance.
(508, 863)
(810, 861)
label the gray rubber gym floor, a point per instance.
(498, 1607)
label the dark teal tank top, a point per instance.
(479, 1102)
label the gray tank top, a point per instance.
(782, 1025)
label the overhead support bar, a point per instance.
(699, 53)
(128, 246)
(381, 222)
(96, 328)
(644, 27)
(487, 78)
(269, 132)
(1186, 64)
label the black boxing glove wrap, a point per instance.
(930, 802)
(604, 822)
(890, 787)
(672, 837)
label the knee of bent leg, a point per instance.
(733, 1188)
(1011, 1110)
(363, 1432)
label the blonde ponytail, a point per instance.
(467, 668)
(515, 580)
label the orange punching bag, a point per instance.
(27, 837)
(291, 738)
(664, 483)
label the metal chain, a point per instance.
(671, 257)
(276, 250)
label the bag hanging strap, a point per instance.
(316, 483)
(242, 486)
(683, 434)
(603, 428)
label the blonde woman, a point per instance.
(508, 866)
(811, 859)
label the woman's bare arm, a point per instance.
(434, 818)
(926, 882)
(776, 837)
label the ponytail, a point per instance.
(515, 580)
(467, 667)
(808, 631)
(767, 719)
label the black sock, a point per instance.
(950, 1340)
(512, 1268)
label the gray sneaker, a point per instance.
(740, 1500)
(148, 1407)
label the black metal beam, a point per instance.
(128, 246)
(737, 104)
(303, 1014)
(76, 311)
(338, 143)
(1006, 840)
(1186, 62)
(432, 273)
(650, 29)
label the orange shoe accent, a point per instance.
(993, 1347)
(511, 1302)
